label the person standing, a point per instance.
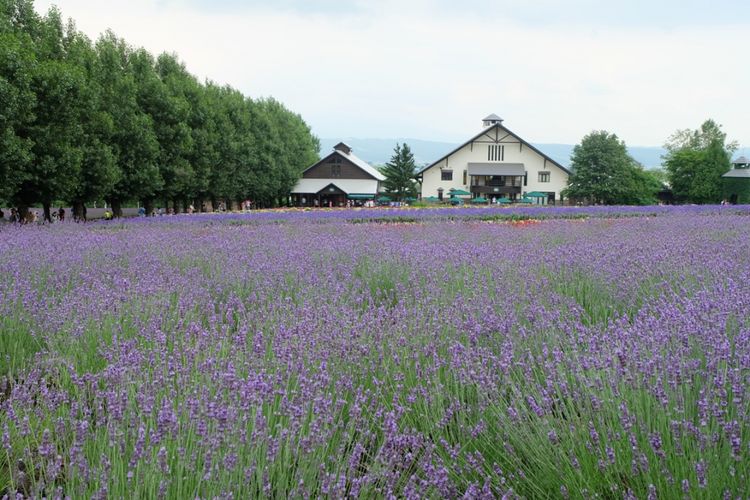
(61, 214)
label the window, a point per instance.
(496, 152)
(335, 167)
(446, 175)
(465, 178)
(543, 176)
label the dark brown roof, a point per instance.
(360, 163)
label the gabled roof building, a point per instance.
(496, 164)
(336, 178)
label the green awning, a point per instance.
(459, 192)
(410, 198)
(479, 199)
(526, 200)
(432, 198)
(536, 194)
(361, 196)
(503, 200)
(383, 197)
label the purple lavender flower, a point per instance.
(700, 471)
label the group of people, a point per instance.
(160, 211)
(32, 216)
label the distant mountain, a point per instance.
(379, 151)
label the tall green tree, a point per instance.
(17, 66)
(399, 173)
(56, 132)
(695, 162)
(99, 172)
(128, 79)
(604, 172)
(170, 110)
(228, 136)
(285, 147)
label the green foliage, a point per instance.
(399, 173)
(17, 64)
(604, 172)
(737, 190)
(56, 133)
(83, 122)
(695, 162)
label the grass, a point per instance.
(18, 346)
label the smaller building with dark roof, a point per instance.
(337, 178)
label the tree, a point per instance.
(127, 78)
(17, 64)
(604, 172)
(57, 135)
(169, 111)
(695, 162)
(99, 173)
(399, 173)
(227, 135)
(286, 144)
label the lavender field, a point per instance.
(541, 353)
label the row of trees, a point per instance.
(85, 121)
(603, 171)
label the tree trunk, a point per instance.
(47, 211)
(79, 211)
(23, 214)
(148, 205)
(116, 208)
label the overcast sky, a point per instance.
(432, 69)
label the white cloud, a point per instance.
(415, 71)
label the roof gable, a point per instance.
(356, 161)
(485, 131)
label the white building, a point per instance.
(494, 164)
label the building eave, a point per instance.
(480, 134)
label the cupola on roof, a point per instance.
(491, 120)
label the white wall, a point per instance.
(458, 162)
